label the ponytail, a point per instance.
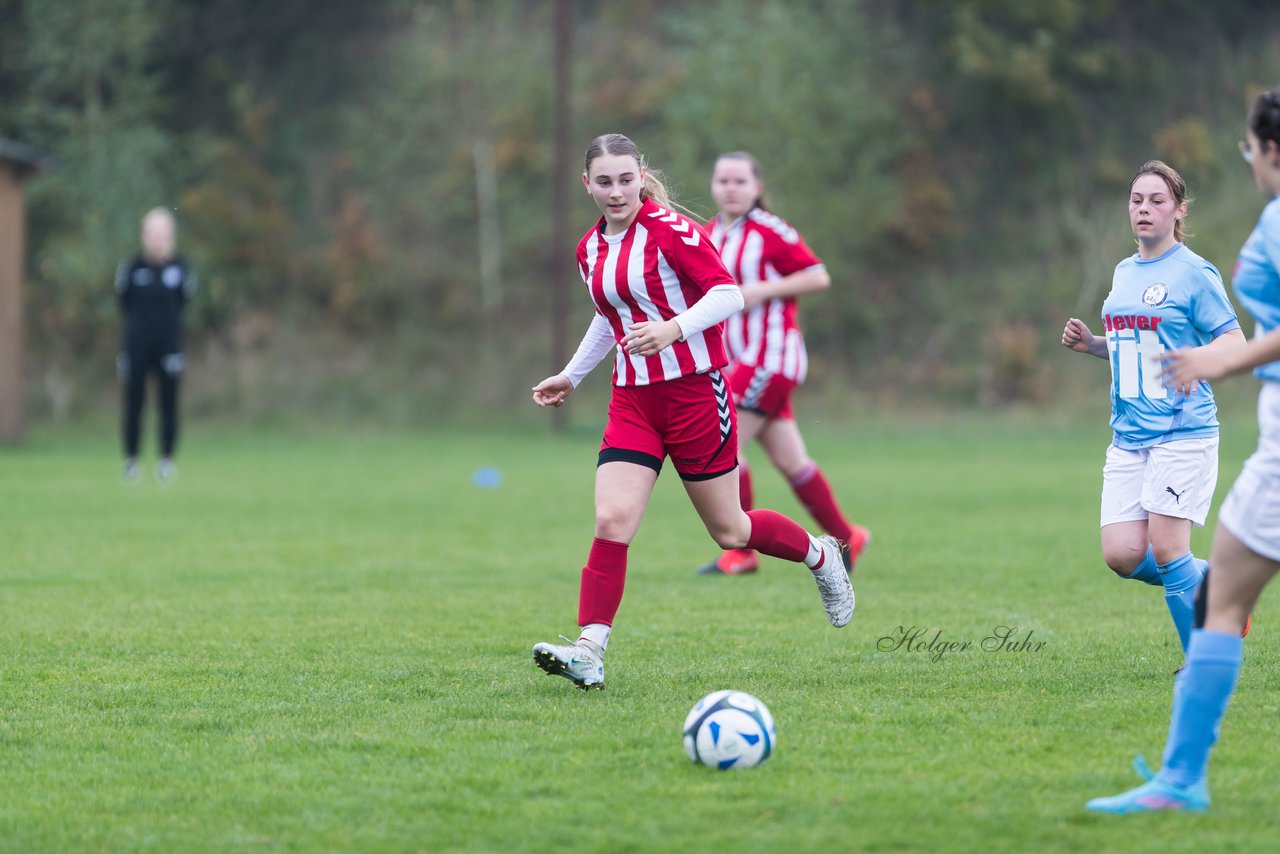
(655, 188)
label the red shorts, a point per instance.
(760, 390)
(688, 419)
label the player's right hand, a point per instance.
(552, 391)
(1076, 336)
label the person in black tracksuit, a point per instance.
(153, 287)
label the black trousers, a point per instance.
(140, 360)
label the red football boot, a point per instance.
(732, 562)
(855, 547)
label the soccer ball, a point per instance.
(729, 729)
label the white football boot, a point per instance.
(166, 471)
(574, 660)
(834, 584)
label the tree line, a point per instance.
(366, 188)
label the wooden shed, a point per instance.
(17, 163)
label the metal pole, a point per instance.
(561, 175)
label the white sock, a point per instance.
(815, 552)
(597, 634)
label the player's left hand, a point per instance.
(552, 391)
(648, 338)
(1183, 369)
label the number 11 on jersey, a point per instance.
(1135, 363)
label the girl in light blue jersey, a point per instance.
(1246, 544)
(1162, 465)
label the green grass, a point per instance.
(317, 642)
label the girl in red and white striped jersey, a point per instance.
(772, 263)
(660, 293)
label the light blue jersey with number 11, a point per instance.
(1155, 305)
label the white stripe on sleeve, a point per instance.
(717, 305)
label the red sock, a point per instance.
(744, 486)
(777, 536)
(815, 494)
(602, 581)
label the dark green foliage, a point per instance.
(960, 166)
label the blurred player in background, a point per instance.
(660, 293)
(153, 287)
(1162, 466)
(1246, 544)
(772, 263)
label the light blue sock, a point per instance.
(1199, 701)
(1181, 577)
(1146, 571)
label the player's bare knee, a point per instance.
(1122, 562)
(728, 537)
(614, 524)
(730, 541)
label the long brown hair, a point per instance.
(1177, 187)
(618, 145)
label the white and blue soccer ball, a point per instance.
(729, 729)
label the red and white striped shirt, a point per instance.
(762, 247)
(653, 271)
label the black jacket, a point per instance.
(152, 297)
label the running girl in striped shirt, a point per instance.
(660, 293)
(772, 263)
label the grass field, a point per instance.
(320, 642)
